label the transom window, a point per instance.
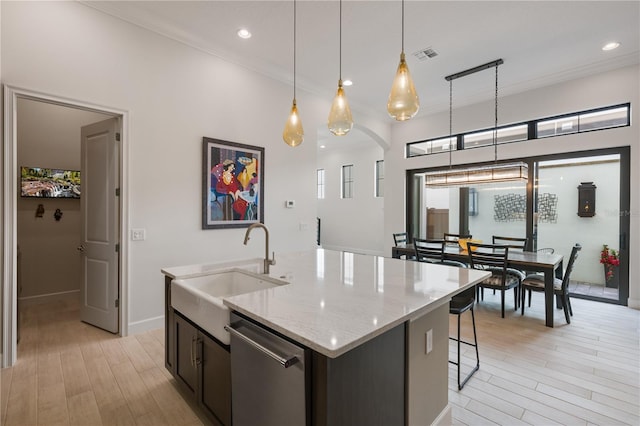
(578, 122)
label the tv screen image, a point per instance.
(49, 183)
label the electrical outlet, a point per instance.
(138, 234)
(429, 341)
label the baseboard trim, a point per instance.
(444, 418)
(145, 325)
(633, 303)
(47, 298)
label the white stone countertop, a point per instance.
(335, 301)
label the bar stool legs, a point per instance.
(459, 312)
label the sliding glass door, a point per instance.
(580, 200)
(547, 212)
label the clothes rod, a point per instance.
(475, 69)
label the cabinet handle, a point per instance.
(193, 358)
(286, 361)
(196, 358)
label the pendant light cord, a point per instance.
(495, 125)
(402, 26)
(294, 50)
(340, 48)
(450, 119)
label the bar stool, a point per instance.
(459, 304)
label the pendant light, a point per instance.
(340, 120)
(498, 172)
(293, 134)
(403, 101)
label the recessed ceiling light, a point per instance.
(610, 46)
(347, 82)
(322, 146)
(244, 33)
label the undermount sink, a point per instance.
(200, 298)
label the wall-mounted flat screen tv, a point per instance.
(49, 183)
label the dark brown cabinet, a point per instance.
(199, 363)
(186, 357)
(215, 379)
(202, 367)
(169, 343)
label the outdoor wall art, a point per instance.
(512, 207)
(509, 208)
(232, 184)
(547, 208)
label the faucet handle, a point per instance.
(272, 261)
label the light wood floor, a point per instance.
(584, 373)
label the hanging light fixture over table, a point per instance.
(497, 172)
(340, 120)
(293, 134)
(403, 101)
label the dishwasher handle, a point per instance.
(285, 361)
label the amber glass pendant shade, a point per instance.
(403, 100)
(293, 134)
(340, 119)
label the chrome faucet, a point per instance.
(267, 261)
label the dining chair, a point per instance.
(514, 243)
(511, 242)
(544, 250)
(454, 238)
(493, 258)
(459, 304)
(535, 282)
(430, 250)
(400, 238)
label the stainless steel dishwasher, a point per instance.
(268, 377)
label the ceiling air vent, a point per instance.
(424, 54)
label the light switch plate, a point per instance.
(138, 234)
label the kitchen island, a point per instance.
(375, 331)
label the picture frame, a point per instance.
(232, 184)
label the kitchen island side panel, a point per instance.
(428, 373)
(365, 386)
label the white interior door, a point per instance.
(99, 208)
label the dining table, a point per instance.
(549, 264)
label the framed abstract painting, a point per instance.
(232, 184)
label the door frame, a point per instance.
(9, 210)
(625, 204)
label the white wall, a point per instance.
(614, 87)
(175, 95)
(590, 232)
(352, 224)
(49, 137)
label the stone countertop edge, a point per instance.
(336, 352)
(358, 337)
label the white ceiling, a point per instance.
(541, 42)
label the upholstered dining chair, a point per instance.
(454, 238)
(514, 243)
(493, 258)
(535, 282)
(429, 250)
